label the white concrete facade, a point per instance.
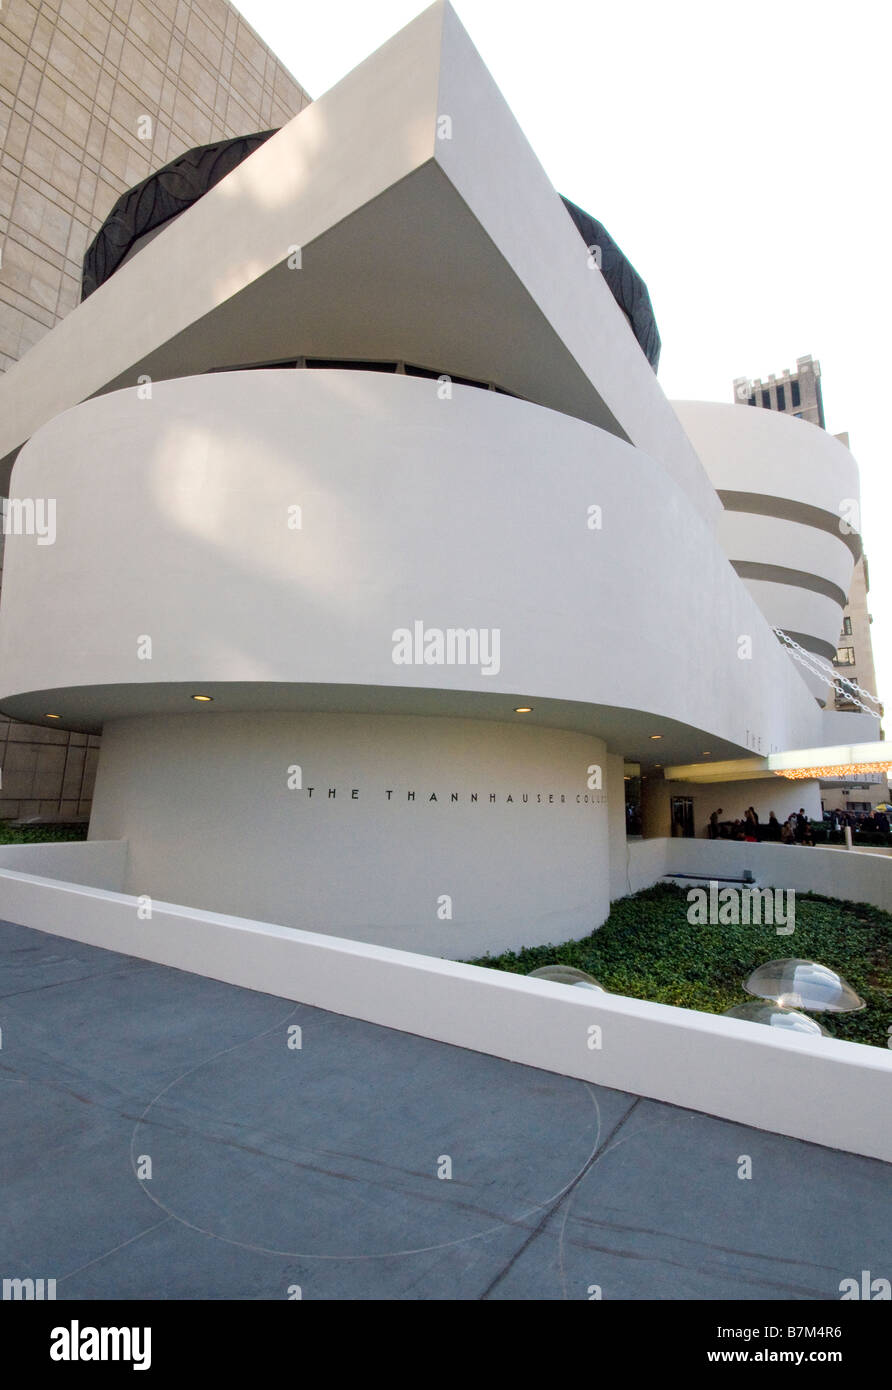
(792, 506)
(420, 833)
(194, 582)
(93, 97)
(412, 507)
(261, 537)
(356, 182)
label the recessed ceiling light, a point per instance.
(52, 716)
(656, 735)
(523, 709)
(706, 754)
(204, 699)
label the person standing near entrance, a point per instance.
(714, 824)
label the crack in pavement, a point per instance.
(586, 1168)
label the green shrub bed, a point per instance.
(647, 949)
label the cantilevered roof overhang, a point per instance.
(402, 216)
(142, 211)
(801, 764)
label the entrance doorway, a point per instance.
(632, 784)
(683, 817)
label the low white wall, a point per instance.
(91, 863)
(643, 864)
(819, 1089)
(861, 877)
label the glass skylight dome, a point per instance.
(804, 984)
(567, 975)
(776, 1016)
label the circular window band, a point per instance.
(174, 188)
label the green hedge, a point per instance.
(34, 834)
(647, 949)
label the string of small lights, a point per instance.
(803, 774)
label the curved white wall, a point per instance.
(798, 562)
(359, 862)
(794, 609)
(467, 512)
(456, 254)
(748, 449)
(774, 541)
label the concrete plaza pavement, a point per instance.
(164, 1136)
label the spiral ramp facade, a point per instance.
(790, 495)
(365, 454)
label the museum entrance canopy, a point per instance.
(803, 764)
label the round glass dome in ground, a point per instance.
(804, 984)
(566, 975)
(775, 1016)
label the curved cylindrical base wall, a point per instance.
(447, 836)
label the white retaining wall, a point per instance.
(89, 863)
(858, 876)
(819, 1089)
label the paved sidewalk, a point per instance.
(274, 1166)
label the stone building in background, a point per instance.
(796, 393)
(93, 98)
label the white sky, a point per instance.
(739, 155)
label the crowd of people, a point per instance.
(795, 830)
(876, 822)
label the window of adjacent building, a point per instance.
(847, 627)
(794, 393)
(845, 656)
(781, 399)
(766, 399)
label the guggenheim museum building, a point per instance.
(399, 592)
